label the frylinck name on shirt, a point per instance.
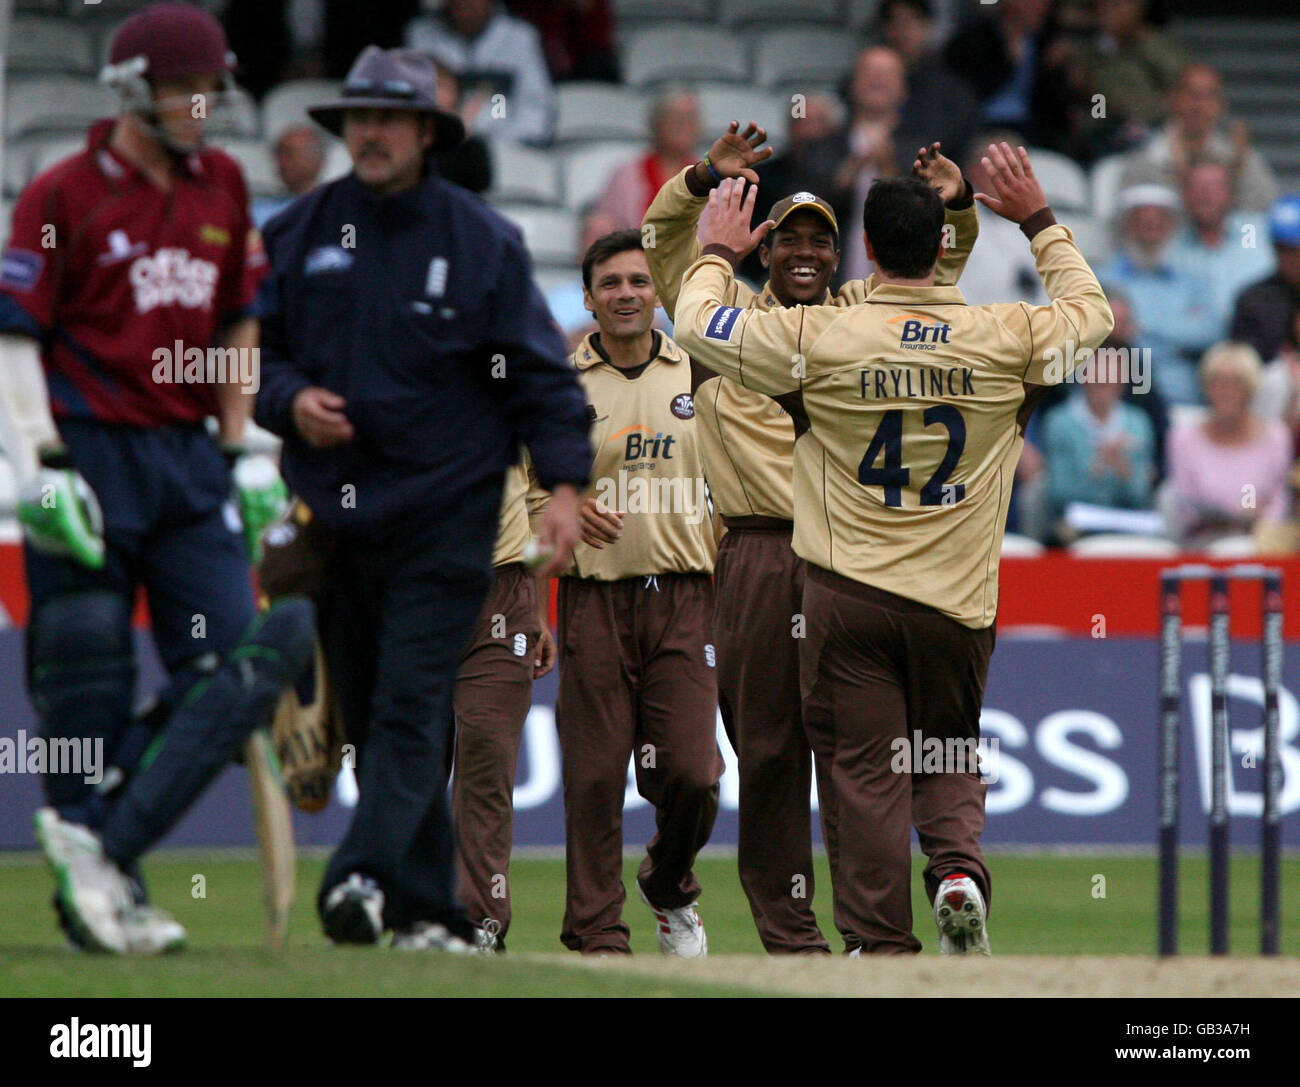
(896, 382)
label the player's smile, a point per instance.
(802, 258)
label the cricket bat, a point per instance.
(274, 835)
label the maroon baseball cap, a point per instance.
(175, 40)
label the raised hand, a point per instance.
(939, 172)
(726, 220)
(1018, 193)
(735, 152)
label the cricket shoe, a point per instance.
(151, 931)
(681, 932)
(488, 939)
(93, 892)
(431, 936)
(354, 911)
(962, 918)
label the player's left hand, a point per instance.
(559, 531)
(262, 496)
(939, 172)
(544, 656)
(726, 219)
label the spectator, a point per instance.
(1001, 267)
(1100, 450)
(939, 105)
(577, 36)
(469, 163)
(1279, 384)
(1171, 303)
(299, 153)
(499, 62)
(1016, 64)
(674, 142)
(841, 167)
(1227, 251)
(1264, 310)
(1133, 64)
(1198, 129)
(1230, 471)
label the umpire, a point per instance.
(406, 356)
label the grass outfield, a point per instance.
(1044, 905)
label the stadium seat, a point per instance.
(551, 234)
(1105, 183)
(789, 55)
(287, 103)
(255, 159)
(1091, 235)
(722, 103)
(17, 168)
(741, 12)
(1233, 547)
(600, 111)
(586, 170)
(42, 44)
(1015, 546)
(687, 53)
(59, 103)
(47, 151)
(236, 116)
(1107, 545)
(1063, 180)
(694, 10)
(522, 175)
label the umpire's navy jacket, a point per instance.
(420, 311)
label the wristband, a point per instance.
(708, 165)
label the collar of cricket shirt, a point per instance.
(770, 301)
(916, 296)
(590, 352)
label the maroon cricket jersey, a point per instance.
(110, 271)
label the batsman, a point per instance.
(135, 249)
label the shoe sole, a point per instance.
(961, 920)
(347, 922)
(63, 884)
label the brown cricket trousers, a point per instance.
(876, 668)
(637, 680)
(757, 621)
(494, 692)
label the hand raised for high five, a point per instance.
(939, 172)
(735, 152)
(726, 219)
(1019, 194)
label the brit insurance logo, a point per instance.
(171, 277)
(919, 332)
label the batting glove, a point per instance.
(59, 512)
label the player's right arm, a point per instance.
(669, 229)
(57, 508)
(1078, 317)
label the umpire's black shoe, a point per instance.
(354, 911)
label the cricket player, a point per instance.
(512, 645)
(407, 356)
(128, 264)
(747, 442)
(907, 409)
(637, 658)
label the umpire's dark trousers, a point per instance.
(399, 608)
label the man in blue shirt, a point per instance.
(406, 356)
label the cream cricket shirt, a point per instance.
(647, 464)
(904, 478)
(522, 501)
(746, 438)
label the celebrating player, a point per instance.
(747, 442)
(636, 653)
(136, 249)
(901, 486)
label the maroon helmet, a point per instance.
(173, 40)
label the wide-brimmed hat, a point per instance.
(392, 79)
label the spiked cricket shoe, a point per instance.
(354, 911)
(151, 931)
(431, 936)
(962, 918)
(681, 932)
(93, 892)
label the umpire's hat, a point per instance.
(392, 79)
